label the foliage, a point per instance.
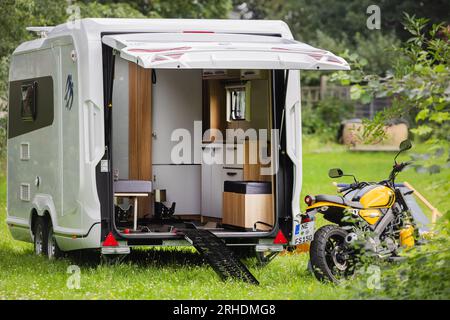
(324, 118)
(112, 10)
(375, 52)
(4, 63)
(419, 84)
(339, 18)
(205, 9)
(200, 9)
(260, 9)
(425, 274)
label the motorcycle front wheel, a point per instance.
(328, 254)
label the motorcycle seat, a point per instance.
(338, 200)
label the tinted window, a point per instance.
(28, 105)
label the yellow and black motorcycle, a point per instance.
(369, 218)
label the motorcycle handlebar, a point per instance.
(351, 186)
(400, 166)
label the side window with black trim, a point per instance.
(29, 101)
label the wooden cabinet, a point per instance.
(246, 210)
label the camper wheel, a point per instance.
(53, 251)
(39, 231)
(40, 236)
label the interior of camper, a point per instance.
(192, 146)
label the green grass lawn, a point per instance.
(180, 273)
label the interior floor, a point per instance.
(153, 225)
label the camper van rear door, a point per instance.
(221, 51)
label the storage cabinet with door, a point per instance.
(212, 159)
(215, 171)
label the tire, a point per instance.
(40, 236)
(53, 251)
(326, 254)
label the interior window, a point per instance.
(28, 106)
(238, 97)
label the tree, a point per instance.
(206, 9)
(419, 86)
(338, 18)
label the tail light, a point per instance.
(280, 238)
(110, 241)
(309, 200)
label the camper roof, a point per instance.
(91, 29)
(263, 44)
(95, 26)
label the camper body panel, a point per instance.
(54, 174)
(294, 145)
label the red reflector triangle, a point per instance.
(110, 241)
(280, 238)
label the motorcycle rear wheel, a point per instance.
(327, 254)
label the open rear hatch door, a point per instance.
(221, 51)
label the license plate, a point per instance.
(306, 233)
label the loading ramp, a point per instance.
(220, 257)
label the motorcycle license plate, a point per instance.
(306, 232)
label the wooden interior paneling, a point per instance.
(140, 130)
(217, 104)
(252, 170)
(214, 111)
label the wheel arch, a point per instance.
(42, 206)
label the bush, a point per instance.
(424, 275)
(2, 141)
(324, 118)
(4, 63)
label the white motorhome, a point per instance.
(122, 132)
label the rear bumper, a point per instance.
(116, 250)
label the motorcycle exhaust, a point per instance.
(351, 238)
